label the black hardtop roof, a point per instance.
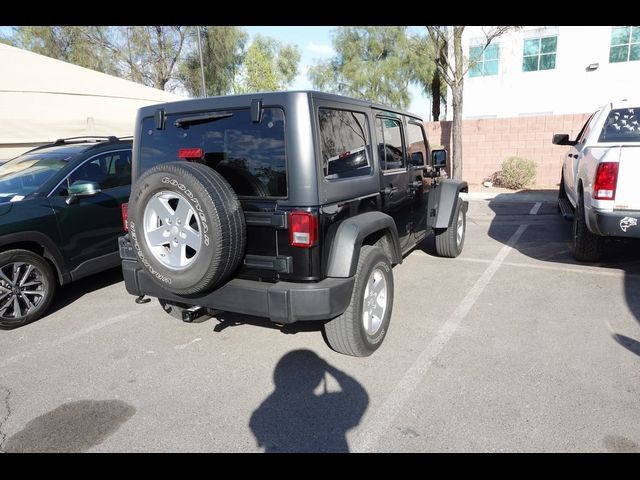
(267, 98)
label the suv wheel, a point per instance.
(187, 226)
(27, 285)
(450, 240)
(587, 246)
(359, 331)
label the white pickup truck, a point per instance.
(600, 182)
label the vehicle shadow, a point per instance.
(71, 292)
(304, 413)
(552, 242)
(229, 319)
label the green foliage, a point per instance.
(67, 43)
(517, 172)
(372, 63)
(223, 50)
(268, 65)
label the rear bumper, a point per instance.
(615, 224)
(281, 302)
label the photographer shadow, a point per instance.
(302, 415)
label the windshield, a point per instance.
(25, 174)
(250, 156)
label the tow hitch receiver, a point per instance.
(192, 313)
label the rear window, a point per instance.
(622, 125)
(251, 156)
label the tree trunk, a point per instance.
(435, 96)
(456, 90)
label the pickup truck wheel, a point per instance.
(186, 226)
(27, 285)
(450, 240)
(360, 330)
(587, 246)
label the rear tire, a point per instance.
(360, 330)
(450, 240)
(587, 246)
(27, 287)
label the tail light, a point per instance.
(190, 153)
(303, 229)
(124, 208)
(604, 186)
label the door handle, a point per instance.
(389, 191)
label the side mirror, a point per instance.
(562, 139)
(82, 188)
(439, 158)
(417, 160)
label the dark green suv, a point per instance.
(61, 212)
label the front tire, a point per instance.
(450, 240)
(27, 287)
(587, 246)
(360, 330)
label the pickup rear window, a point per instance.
(250, 156)
(622, 125)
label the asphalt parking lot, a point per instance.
(511, 347)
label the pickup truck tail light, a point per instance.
(303, 229)
(124, 208)
(604, 186)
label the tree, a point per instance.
(452, 68)
(422, 52)
(66, 43)
(223, 50)
(371, 63)
(268, 65)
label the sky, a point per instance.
(314, 43)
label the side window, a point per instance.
(390, 149)
(417, 145)
(110, 170)
(344, 143)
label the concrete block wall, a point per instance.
(487, 142)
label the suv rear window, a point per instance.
(251, 156)
(622, 125)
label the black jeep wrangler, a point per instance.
(287, 205)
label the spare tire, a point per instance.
(187, 227)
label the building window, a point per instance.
(539, 54)
(484, 61)
(625, 44)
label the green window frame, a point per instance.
(484, 61)
(625, 44)
(539, 53)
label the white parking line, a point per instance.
(535, 208)
(367, 437)
(68, 338)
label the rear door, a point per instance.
(396, 176)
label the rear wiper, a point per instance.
(195, 119)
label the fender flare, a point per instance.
(443, 198)
(51, 251)
(343, 256)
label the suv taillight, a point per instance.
(124, 208)
(604, 186)
(303, 229)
